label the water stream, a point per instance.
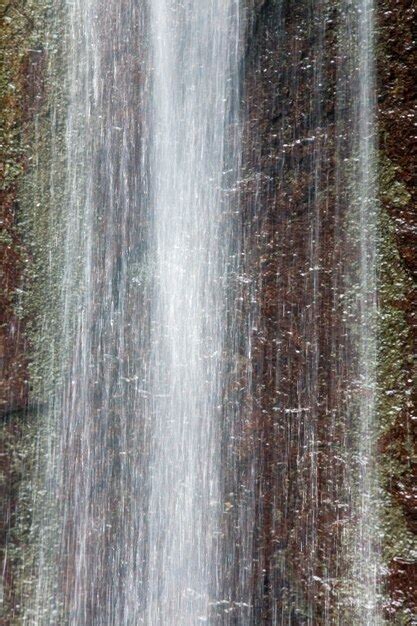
(205, 454)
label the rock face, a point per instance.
(297, 202)
(298, 250)
(13, 387)
(397, 93)
(396, 58)
(21, 94)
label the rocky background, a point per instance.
(289, 148)
(19, 84)
(296, 136)
(396, 58)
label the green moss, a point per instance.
(392, 190)
(41, 220)
(31, 142)
(394, 358)
(17, 444)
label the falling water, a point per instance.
(132, 435)
(194, 66)
(364, 213)
(205, 451)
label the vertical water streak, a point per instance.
(194, 66)
(367, 556)
(360, 275)
(90, 490)
(310, 162)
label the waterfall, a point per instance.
(194, 67)
(206, 447)
(130, 446)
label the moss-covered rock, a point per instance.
(396, 58)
